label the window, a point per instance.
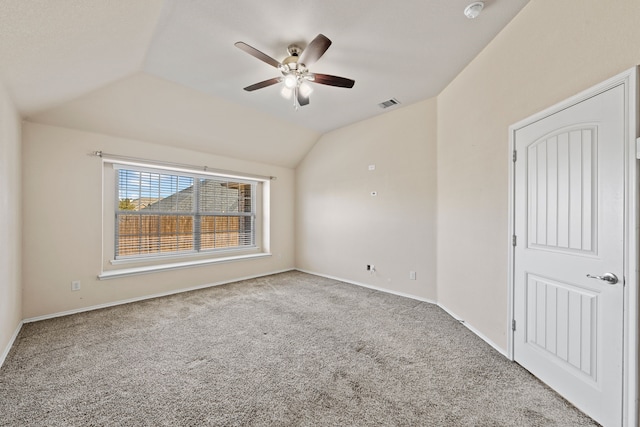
(161, 212)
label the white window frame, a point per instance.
(196, 213)
(113, 266)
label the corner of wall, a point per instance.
(10, 223)
(365, 195)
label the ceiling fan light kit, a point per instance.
(305, 89)
(295, 74)
(290, 81)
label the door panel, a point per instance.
(563, 190)
(561, 321)
(569, 220)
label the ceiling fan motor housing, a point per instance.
(291, 61)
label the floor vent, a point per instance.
(389, 103)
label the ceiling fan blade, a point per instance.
(256, 53)
(263, 84)
(326, 79)
(314, 50)
(302, 100)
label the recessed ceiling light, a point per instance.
(473, 10)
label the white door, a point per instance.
(569, 223)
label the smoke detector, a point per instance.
(473, 10)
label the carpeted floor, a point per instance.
(285, 350)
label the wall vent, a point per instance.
(389, 103)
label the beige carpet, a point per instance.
(284, 350)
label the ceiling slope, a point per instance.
(167, 71)
(149, 108)
(409, 50)
(54, 51)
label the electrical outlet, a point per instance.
(75, 285)
(412, 275)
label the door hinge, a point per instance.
(638, 148)
(514, 240)
(513, 325)
(515, 156)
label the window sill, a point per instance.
(165, 258)
(123, 272)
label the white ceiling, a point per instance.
(148, 108)
(85, 63)
(409, 50)
(52, 51)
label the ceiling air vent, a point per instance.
(389, 103)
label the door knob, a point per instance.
(610, 278)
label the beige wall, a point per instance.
(62, 203)
(10, 208)
(340, 227)
(550, 51)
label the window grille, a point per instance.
(163, 212)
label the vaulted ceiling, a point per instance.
(168, 71)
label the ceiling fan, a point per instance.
(295, 72)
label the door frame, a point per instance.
(629, 79)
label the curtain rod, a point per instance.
(185, 167)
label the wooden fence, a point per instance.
(148, 234)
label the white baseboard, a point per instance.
(402, 294)
(146, 297)
(364, 285)
(224, 282)
(475, 331)
(5, 352)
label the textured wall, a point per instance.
(549, 52)
(340, 227)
